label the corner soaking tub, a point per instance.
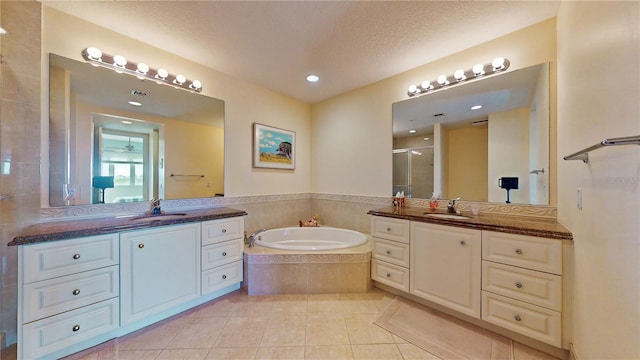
(310, 238)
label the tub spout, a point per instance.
(250, 239)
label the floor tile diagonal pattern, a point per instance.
(238, 326)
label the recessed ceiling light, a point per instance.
(312, 78)
(476, 107)
(426, 139)
(412, 131)
(2, 31)
(135, 103)
(127, 122)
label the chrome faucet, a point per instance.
(154, 207)
(250, 240)
(451, 207)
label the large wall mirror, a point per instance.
(444, 144)
(115, 138)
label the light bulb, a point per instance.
(94, 53)
(413, 89)
(459, 75)
(478, 69)
(312, 78)
(143, 68)
(442, 80)
(180, 79)
(119, 61)
(426, 85)
(498, 64)
(162, 74)
(195, 85)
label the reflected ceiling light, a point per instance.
(476, 107)
(2, 31)
(134, 103)
(426, 138)
(412, 131)
(498, 64)
(127, 122)
(142, 71)
(312, 78)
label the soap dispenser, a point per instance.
(433, 203)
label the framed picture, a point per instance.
(273, 148)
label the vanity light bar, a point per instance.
(120, 64)
(498, 64)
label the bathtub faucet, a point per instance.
(250, 240)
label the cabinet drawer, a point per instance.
(54, 296)
(215, 231)
(64, 330)
(530, 252)
(534, 287)
(222, 253)
(59, 258)
(390, 229)
(390, 274)
(220, 277)
(530, 320)
(390, 251)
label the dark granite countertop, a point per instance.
(523, 225)
(58, 230)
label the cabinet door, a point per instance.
(446, 266)
(160, 269)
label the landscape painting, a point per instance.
(273, 147)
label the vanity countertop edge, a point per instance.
(67, 229)
(521, 225)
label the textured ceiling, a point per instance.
(275, 44)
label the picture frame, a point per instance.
(273, 147)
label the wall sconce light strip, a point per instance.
(459, 76)
(161, 76)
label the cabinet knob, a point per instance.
(388, 275)
(519, 251)
(388, 229)
(76, 256)
(224, 277)
(517, 318)
(224, 231)
(224, 253)
(140, 246)
(76, 292)
(388, 252)
(75, 328)
(518, 285)
(463, 243)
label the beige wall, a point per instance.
(244, 104)
(466, 176)
(351, 133)
(598, 92)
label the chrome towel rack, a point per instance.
(182, 175)
(584, 154)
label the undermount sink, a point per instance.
(448, 216)
(158, 217)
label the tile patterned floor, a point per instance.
(238, 326)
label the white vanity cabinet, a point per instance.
(160, 269)
(68, 294)
(446, 267)
(222, 249)
(390, 252)
(522, 284)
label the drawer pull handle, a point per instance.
(76, 256)
(388, 252)
(76, 292)
(224, 231)
(140, 246)
(388, 275)
(224, 277)
(224, 253)
(517, 318)
(75, 328)
(519, 251)
(519, 285)
(463, 243)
